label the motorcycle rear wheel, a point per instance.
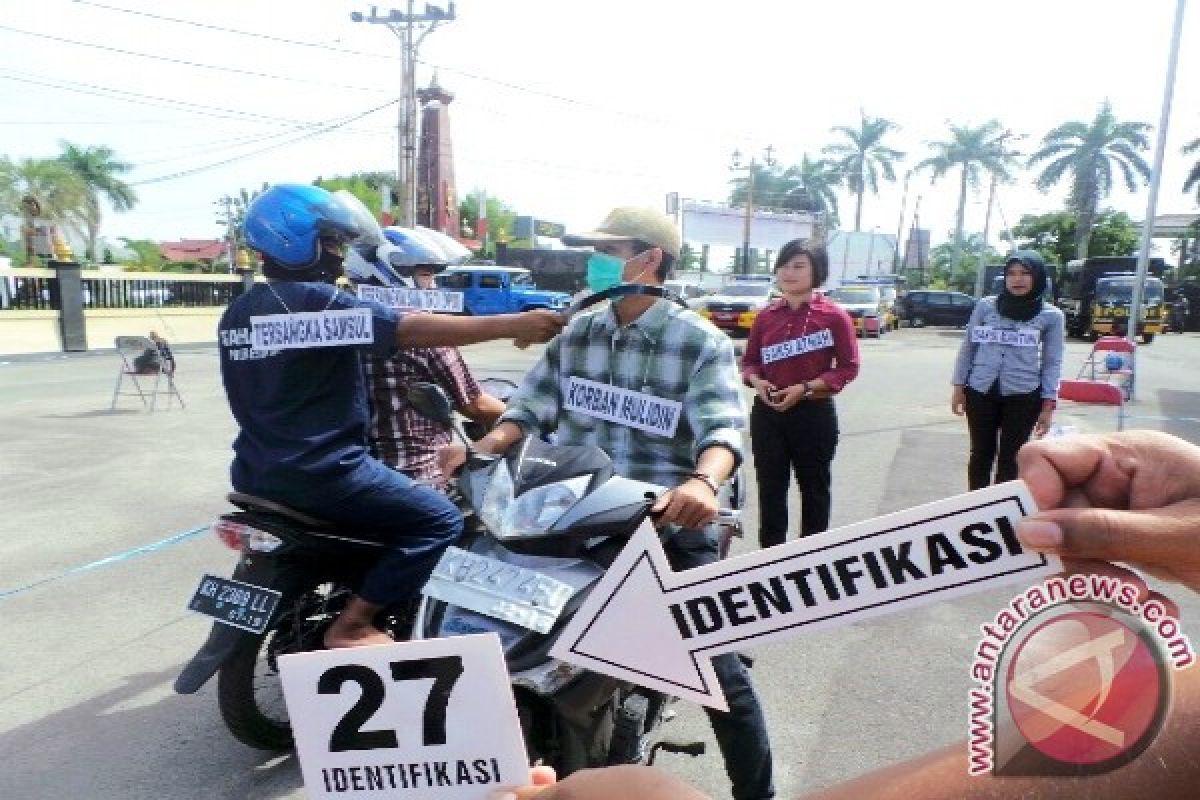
(249, 691)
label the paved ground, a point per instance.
(94, 633)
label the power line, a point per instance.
(441, 67)
(107, 92)
(328, 129)
(182, 62)
(222, 29)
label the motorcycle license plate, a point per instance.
(498, 589)
(242, 605)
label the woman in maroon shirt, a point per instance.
(802, 350)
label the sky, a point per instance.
(565, 109)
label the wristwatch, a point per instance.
(707, 480)
(808, 390)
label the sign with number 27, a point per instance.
(431, 719)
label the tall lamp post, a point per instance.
(411, 29)
(737, 165)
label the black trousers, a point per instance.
(999, 425)
(742, 731)
(799, 441)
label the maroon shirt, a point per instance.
(790, 346)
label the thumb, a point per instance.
(1162, 537)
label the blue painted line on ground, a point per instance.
(115, 558)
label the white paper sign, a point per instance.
(306, 329)
(437, 300)
(427, 719)
(639, 410)
(817, 340)
(1020, 337)
(646, 624)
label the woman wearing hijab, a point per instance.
(1007, 371)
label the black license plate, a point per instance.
(242, 605)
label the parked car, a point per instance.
(499, 290)
(922, 307)
(866, 306)
(736, 305)
(689, 292)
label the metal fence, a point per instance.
(37, 290)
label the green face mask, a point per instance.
(603, 271)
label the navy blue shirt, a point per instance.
(302, 412)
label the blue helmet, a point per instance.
(285, 222)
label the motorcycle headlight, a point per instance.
(533, 512)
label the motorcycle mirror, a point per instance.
(431, 400)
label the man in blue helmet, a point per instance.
(290, 361)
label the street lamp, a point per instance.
(735, 164)
(403, 25)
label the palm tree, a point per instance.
(35, 188)
(814, 184)
(863, 156)
(974, 151)
(1087, 151)
(1193, 176)
(98, 169)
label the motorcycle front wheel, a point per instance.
(249, 691)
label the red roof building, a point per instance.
(193, 250)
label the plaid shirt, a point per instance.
(667, 352)
(399, 436)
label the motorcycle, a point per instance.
(546, 521)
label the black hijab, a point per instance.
(1023, 308)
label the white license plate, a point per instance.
(498, 589)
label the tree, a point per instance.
(949, 269)
(1054, 234)
(863, 157)
(808, 186)
(500, 216)
(33, 189)
(973, 151)
(147, 256)
(1193, 177)
(1087, 152)
(97, 168)
(365, 186)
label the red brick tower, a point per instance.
(437, 199)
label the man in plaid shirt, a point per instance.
(657, 388)
(400, 436)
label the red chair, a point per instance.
(1095, 393)
(1097, 366)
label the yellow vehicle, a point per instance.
(867, 306)
(1110, 307)
(735, 307)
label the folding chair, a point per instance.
(1097, 366)
(148, 383)
(1095, 393)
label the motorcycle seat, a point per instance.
(249, 502)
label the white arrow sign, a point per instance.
(658, 628)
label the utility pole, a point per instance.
(229, 220)
(410, 29)
(736, 164)
(900, 224)
(1143, 262)
(981, 267)
(987, 219)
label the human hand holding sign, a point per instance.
(1132, 497)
